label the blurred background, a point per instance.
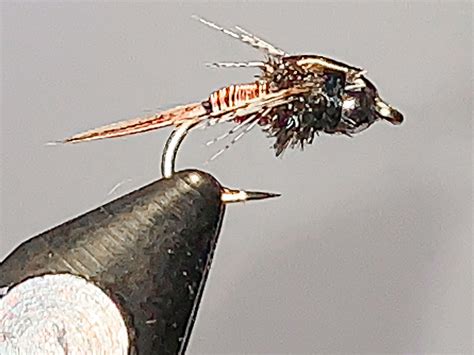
(369, 249)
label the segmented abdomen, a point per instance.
(235, 95)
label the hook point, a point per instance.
(233, 196)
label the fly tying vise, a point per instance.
(295, 98)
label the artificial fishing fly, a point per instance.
(294, 98)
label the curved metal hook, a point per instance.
(168, 158)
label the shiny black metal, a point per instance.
(340, 100)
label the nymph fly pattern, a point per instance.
(295, 98)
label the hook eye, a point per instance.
(387, 112)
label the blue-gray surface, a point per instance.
(368, 249)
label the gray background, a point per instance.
(369, 248)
